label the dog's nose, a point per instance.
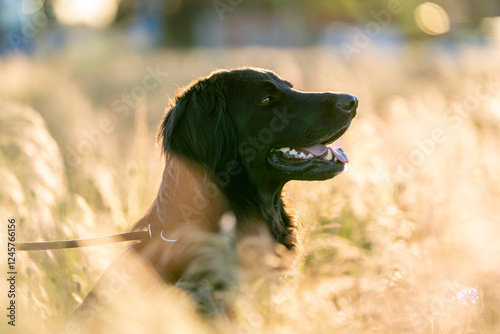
(348, 102)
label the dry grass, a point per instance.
(388, 244)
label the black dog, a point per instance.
(232, 140)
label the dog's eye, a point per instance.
(266, 100)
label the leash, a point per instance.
(227, 223)
(76, 243)
(108, 239)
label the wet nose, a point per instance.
(348, 103)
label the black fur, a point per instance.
(219, 123)
(223, 132)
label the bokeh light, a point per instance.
(94, 13)
(432, 19)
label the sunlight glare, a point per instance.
(432, 19)
(94, 13)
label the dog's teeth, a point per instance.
(292, 152)
(284, 149)
(335, 159)
(302, 155)
(309, 156)
(329, 156)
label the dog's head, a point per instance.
(250, 123)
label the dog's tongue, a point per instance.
(319, 150)
(340, 154)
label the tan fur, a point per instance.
(188, 209)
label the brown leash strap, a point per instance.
(44, 245)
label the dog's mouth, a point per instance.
(314, 162)
(318, 151)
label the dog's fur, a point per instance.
(218, 138)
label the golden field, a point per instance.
(389, 245)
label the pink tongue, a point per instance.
(319, 150)
(340, 154)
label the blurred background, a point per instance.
(44, 27)
(405, 241)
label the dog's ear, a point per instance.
(198, 127)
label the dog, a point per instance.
(231, 141)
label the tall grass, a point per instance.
(389, 243)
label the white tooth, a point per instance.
(309, 156)
(335, 159)
(302, 155)
(293, 152)
(329, 156)
(284, 149)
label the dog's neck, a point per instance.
(264, 204)
(189, 196)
